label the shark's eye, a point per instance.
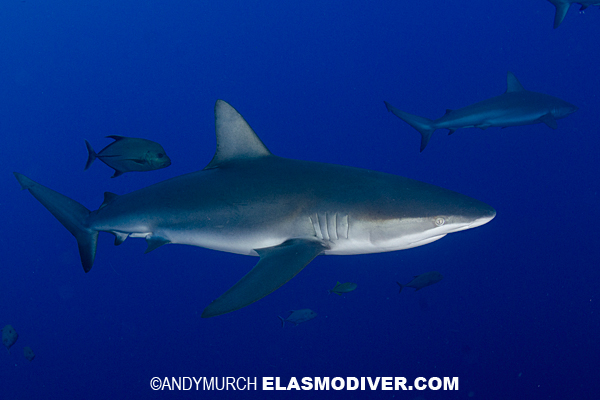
(439, 221)
(160, 155)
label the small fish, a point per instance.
(9, 336)
(343, 288)
(420, 281)
(127, 154)
(298, 316)
(28, 353)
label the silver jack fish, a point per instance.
(129, 154)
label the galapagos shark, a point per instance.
(514, 107)
(562, 7)
(287, 212)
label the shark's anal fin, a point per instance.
(549, 120)
(120, 237)
(277, 265)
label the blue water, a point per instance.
(517, 314)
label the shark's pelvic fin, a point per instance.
(513, 84)
(154, 242)
(277, 265)
(235, 138)
(69, 213)
(423, 125)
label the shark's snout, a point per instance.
(486, 216)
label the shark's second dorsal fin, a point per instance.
(513, 84)
(235, 139)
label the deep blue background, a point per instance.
(517, 315)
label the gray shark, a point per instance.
(514, 107)
(285, 211)
(562, 7)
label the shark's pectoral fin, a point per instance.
(583, 7)
(277, 265)
(549, 120)
(451, 131)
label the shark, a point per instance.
(514, 107)
(285, 211)
(562, 7)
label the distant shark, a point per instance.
(515, 107)
(287, 212)
(562, 7)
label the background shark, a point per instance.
(514, 107)
(248, 201)
(562, 7)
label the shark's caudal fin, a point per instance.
(69, 213)
(91, 155)
(277, 265)
(235, 138)
(562, 7)
(401, 286)
(423, 125)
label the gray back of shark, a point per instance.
(298, 316)
(562, 7)
(285, 211)
(127, 154)
(515, 107)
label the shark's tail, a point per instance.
(423, 125)
(91, 155)
(401, 286)
(69, 213)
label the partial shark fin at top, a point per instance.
(235, 138)
(513, 84)
(562, 7)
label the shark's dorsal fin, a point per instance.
(513, 84)
(117, 137)
(235, 139)
(108, 197)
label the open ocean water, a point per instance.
(517, 314)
